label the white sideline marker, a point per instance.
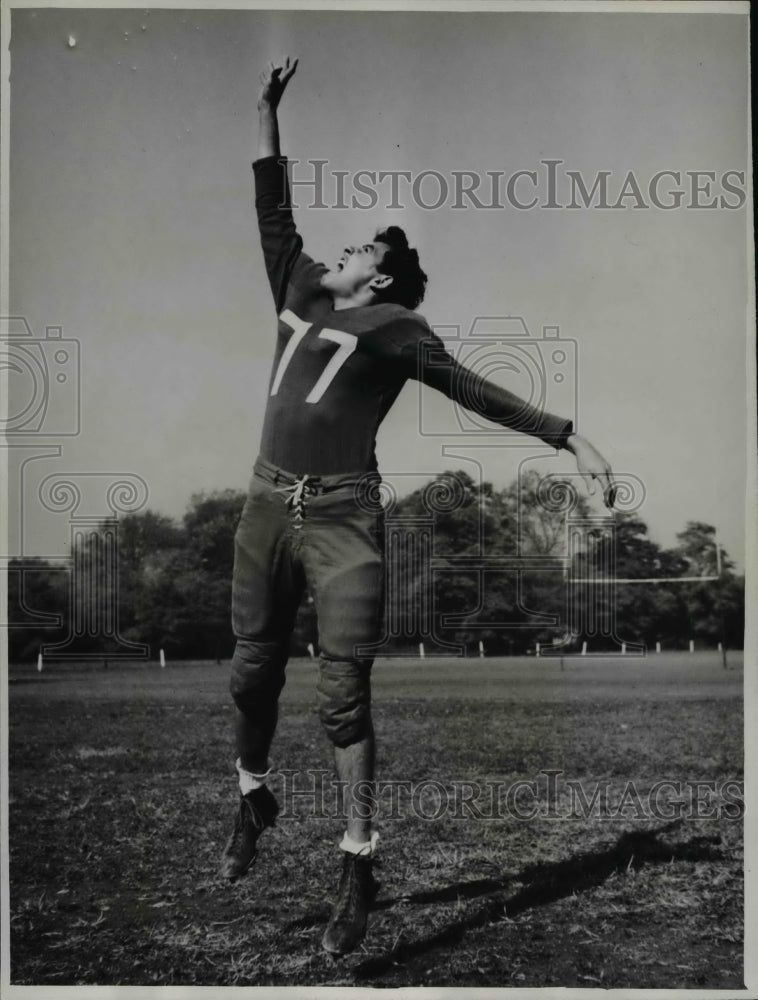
(657, 647)
(584, 648)
(421, 650)
(39, 663)
(481, 648)
(163, 659)
(721, 648)
(692, 645)
(623, 649)
(536, 649)
(311, 651)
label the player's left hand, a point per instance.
(592, 466)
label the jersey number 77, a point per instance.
(347, 343)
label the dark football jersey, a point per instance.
(336, 373)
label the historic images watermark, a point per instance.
(550, 795)
(548, 185)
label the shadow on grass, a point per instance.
(546, 883)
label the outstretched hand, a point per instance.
(274, 80)
(592, 466)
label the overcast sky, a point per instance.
(132, 227)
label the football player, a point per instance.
(348, 339)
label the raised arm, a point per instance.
(286, 264)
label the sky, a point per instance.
(132, 228)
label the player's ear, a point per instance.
(380, 281)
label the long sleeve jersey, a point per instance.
(336, 373)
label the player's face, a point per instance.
(356, 268)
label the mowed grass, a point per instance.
(122, 793)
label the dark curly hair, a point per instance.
(401, 262)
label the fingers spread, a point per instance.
(278, 72)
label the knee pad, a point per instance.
(257, 673)
(344, 699)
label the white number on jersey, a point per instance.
(347, 343)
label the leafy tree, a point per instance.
(200, 593)
(715, 608)
(644, 612)
(498, 606)
(697, 545)
(538, 528)
(209, 525)
(147, 542)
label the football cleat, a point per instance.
(356, 893)
(257, 810)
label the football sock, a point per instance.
(249, 781)
(355, 847)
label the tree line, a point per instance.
(170, 586)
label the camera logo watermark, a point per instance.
(542, 371)
(43, 388)
(43, 403)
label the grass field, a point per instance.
(122, 793)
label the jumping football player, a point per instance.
(348, 339)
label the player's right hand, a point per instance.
(274, 80)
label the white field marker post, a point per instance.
(39, 663)
(163, 659)
(481, 648)
(311, 651)
(657, 647)
(692, 645)
(537, 649)
(623, 649)
(421, 650)
(584, 648)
